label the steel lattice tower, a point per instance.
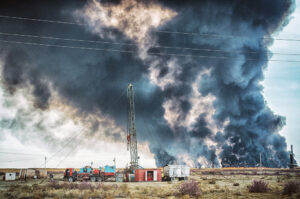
(131, 130)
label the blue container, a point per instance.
(85, 170)
(109, 169)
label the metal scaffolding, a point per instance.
(131, 130)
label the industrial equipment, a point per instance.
(292, 161)
(172, 172)
(70, 174)
(88, 173)
(131, 130)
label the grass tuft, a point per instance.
(212, 181)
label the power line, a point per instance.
(70, 152)
(20, 153)
(220, 36)
(71, 139)
(42, 20)
(132, 44)
(66, 144)
(79, 142)
(135, 52)
(158, 31)
(19, 160)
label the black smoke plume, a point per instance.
(91, 81)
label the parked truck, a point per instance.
(91, 174)
(70, 174)
(172, 172)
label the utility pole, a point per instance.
(292, 158)
(260, 159)
(45, 162)
(131, 130)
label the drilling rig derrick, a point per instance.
(131, 130)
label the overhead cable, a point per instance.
(132, 44)
(149, 53)
(158, 31)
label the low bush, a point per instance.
(54, 185)
(68, 185)
(258, 186)
(189, 188)
(236, 184)
(85, 186)
(290, 187)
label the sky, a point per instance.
(68, 106)
(282, 82)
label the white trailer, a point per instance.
(180, 172)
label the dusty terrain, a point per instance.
(212, 183)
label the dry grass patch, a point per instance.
(212, 181)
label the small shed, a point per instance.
(147, 175)
(41, 173)
(33, 173)
(10, 176)
(30, 173)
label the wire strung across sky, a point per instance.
(19, 160)
(157, 31)
(132, 44)
(10, 153)
(149, 53)
(82, 132)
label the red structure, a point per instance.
(146, 175)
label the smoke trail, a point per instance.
(241, 119)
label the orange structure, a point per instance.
(147, 175)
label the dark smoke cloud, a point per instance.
(17, 73)
(91, 81)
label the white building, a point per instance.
(10, 176)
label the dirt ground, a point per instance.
(211, 183)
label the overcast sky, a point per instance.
(282, 82)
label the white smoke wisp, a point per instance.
(133, 18)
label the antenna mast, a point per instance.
(131, 130)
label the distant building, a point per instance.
(10, 176)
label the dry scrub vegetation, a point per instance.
(199, 186)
